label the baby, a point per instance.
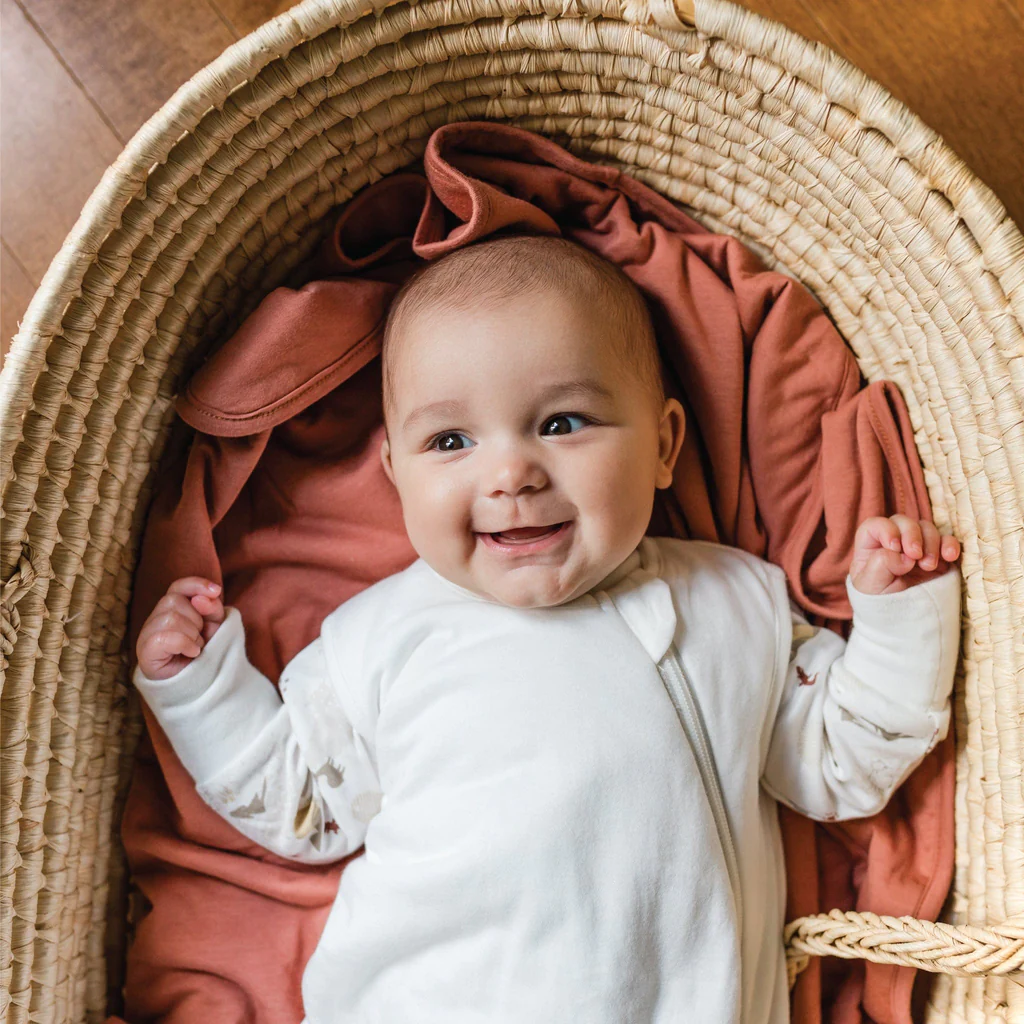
(559, 742)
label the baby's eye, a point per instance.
(567, 423)
(450, 442)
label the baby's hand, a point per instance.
(890, 555)
(179, 626)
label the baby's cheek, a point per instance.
(442, 514)
(623, 490)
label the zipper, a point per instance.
(688, 710)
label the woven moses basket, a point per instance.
(229, 187)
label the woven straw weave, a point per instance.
(225, 193)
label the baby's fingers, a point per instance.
(878, 532)
(170, 642)
(173, 607)
(212, 610)
(950, 548)
(898, 563)
(164, 653)
(190, 586)
(930, 546)
(173, 620)
(911, 538)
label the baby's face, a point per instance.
(525, 454)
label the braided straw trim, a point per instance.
(21, 581)
(930, 946)
(226, 192)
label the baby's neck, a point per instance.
(620, 572)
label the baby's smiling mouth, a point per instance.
(526, 540)
(526, 534)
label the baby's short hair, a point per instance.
(501, 268)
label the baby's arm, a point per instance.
(857, 717)
(251, 754)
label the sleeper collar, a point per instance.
(644, 600)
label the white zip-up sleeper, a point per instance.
(568, 813)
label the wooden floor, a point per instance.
(78, 77)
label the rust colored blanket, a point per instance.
(282, 498)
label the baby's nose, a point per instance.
(513, 472)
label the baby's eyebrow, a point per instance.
(448, 409)
(575, 389)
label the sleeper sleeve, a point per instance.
(856, 717)
(260, 759)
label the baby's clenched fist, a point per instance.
(178, 628)
(894, 553)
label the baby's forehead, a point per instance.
(565, 325)
(599, 312)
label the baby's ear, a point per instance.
(671, 432)
(385, 460)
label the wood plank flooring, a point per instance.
(78, 78)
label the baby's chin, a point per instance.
(532, 587)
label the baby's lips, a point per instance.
(526, 532)
(539, 524)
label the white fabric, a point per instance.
(545, 848)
